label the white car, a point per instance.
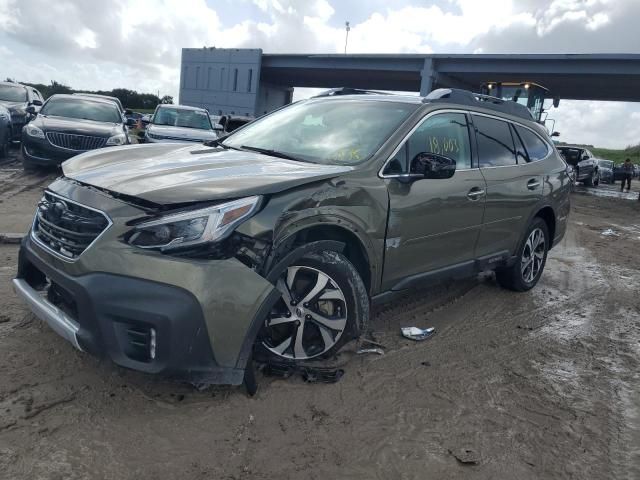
(180, 123)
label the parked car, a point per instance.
(18, 98)
(68, 125)
(584, 163)
(605, 167)
(230, 123)
(135, 116)
(272, 242)
(180, 123)
(6, 131)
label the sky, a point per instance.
(136, 44)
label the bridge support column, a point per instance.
(428, 74)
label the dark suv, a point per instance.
(274, 240)
(22, 101)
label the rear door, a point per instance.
(514, 184)
(433, 223)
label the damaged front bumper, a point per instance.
(195, 319)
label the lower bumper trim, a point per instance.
(59, 321)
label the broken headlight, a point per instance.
(194, 227)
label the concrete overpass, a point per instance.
(246, 81)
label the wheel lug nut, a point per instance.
(294, 303)
(305, 305)
(288, 314)
(307, 316)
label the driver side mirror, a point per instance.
(432, 165)
(131, 122)
(31, 110)
(585, 157)
(555, 134)
(37, 103)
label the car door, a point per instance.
(514, 185)
(433, 224)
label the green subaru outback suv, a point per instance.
(187, 260)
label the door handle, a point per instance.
(475, 193)
(533, 184)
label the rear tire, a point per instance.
(524, 274)
(306, 326)
(26, 164)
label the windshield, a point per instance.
(13, 93)
(179, 117)
(571, 155)
(82, 109)
(341, 132)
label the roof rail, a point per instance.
(348, 91)
(465, 97)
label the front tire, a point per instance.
(324, 304)
(524, 274)
(4, 148)
(27, 166)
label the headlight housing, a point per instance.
(119, 139)
(33, 131)
(196, 227)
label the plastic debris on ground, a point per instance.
(308, 374)
(377, 351)
(418, 334)
(609, 232)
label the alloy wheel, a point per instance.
(532, 255)
(310, 316)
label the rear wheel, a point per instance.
(323, 304)
(593, 180)
(532, 257)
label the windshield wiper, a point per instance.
(218, 143)
(271, 153)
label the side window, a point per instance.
(444, 134)
(536, 147)
(495, 144)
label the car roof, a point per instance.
(373, 97)
(577, 147)
(14, 84)
(182, 107)
(98, 95)
(97, 99)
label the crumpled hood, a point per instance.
(167, 173)
(177, 133)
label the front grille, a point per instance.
(17, 128)
(79, 143)
(65, 227)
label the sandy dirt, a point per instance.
(544, 384)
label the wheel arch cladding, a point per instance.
(354, 249)
(548, 215)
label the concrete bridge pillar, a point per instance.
(427, 74)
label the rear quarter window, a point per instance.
(495, 143)
(537, 149)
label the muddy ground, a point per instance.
(544, 384)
